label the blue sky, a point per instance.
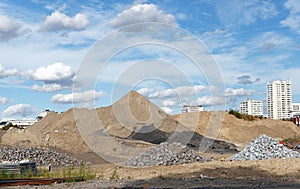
(62, 54)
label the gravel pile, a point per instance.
(265, 147)
(165, 154)
(42, 157)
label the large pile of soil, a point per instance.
(234, 130)
(131, 122)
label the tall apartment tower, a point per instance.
(279, 99)
(252, 107)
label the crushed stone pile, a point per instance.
(42, 157)
(165, 154)
(264, 147)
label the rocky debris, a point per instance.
(42, 157)
(165, 154)
(265, 147)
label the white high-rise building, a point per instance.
(279, 99)
(252, 107)
(187, 109)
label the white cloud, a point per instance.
(179, 91)
(145, 91)
(3, 100)
(245, 12)
(229, 92)
(55, 77)
(54, 72)
(167, 110)
(292, 21)
(169, 103)
(7, 72)
(58, 21)
(141, 13)
(22, 110)
(77, 97)
(210, 101)
(49, 87)
(9, 28)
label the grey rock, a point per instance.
(264, 147)
(42, 157)
(165, 154)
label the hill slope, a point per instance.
(235, 130)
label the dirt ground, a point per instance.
(61, 133)
(275, 173)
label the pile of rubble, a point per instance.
(265, 147)
(42, 157)
(165, 154)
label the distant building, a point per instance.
(252, 107)
(43, 114)
(295, 113)
(186, 109)
(295, 110)
(279, 99)
(22, 123)
(19, 123)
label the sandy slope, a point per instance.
(82, 132)
(238, 131)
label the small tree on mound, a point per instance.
(241, 116)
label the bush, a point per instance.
(242, 116)
(6, 127)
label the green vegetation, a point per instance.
(71, 171)
(6, 127)
(291, 141)
(114, 175)
(244, 116)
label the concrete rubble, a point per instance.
(264, 147)
(42, 157)
(165, 154)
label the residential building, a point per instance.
(252, 107)
(187, 109)
(19, 123)
(295, 109)
(279, 99)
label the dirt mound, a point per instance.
(133, 112)
(133, 121)
(236, 130)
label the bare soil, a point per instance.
(134, 114)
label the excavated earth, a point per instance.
(133, 125)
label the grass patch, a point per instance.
(244, 116)
(114, 175)
(82, 171)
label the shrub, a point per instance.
(241, 116)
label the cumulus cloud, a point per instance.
(245, 12)
(246, 79)
(169, 103)
(49, 87)
(9, 28)
(54, 72)
(7, 72)
(292, 21)
(167, 110)
(77, 97)
(58, 21)
(179, 91)
(229, 92)
(210, 101)
(22, 110)
(55, 77)
(141, 13)
(3, 100)
(145, 91)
